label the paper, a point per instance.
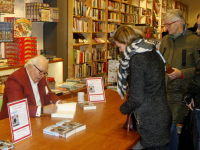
(95, 89)
(113, 66)
(19, 120)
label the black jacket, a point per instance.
(193, 89)
(147, 96)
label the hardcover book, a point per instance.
(86, 105)
(169, 69)
(72, 125)
(58, 131)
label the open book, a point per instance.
(66, 110)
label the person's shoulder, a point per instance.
(20, 73)
(190, 34)
(165, 37)
(139, 57)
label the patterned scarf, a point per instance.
(138, 46)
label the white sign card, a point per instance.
(95, 89)
(19, 120)
(113, 67)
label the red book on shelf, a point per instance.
(81, 58)
(104, 68)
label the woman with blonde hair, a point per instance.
(143, 69)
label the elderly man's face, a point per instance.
(172, 25)
(38, 71)
(198, 27)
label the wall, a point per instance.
(193, 10)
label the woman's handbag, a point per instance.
(130, 123)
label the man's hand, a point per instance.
(49, 109)
(191, 105)
(175, 74)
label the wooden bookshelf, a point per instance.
(111, 15)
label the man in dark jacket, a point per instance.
(179, 48)
(192, 95)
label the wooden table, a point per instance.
(103, 129)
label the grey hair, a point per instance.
(175, 14)
(34, 60)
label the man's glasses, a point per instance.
(41, 72)
(169, 24)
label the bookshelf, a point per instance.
(96, 19)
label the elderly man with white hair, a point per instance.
(30, 82)
(179, 48)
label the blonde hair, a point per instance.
(127, 34)
(35, 59)
(175, 14)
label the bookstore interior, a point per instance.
(76, 36)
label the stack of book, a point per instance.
(5, 145)
(64, 128)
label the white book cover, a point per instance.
(86, 105)
(66, 110)
(72, 125)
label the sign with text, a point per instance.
(19, 120)
(95, 89)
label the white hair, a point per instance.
(175, 14)
(35, 59)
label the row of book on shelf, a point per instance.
(99, 4)
(64, 128)
(80, 57)
(98, 14)
(85, 70)
(79, 9)
(80, 25)
(6, 31)
(42, 12)
(98, 26)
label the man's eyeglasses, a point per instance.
(41, 72)
(169, 24)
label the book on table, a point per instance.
(66, 110)
(6, 145)
(86, 105)
(58, 131)
(72, 125)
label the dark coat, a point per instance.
(181, 54)
(18, 86)
(147, 96)
(193, 89)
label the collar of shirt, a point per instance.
(31, 79)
